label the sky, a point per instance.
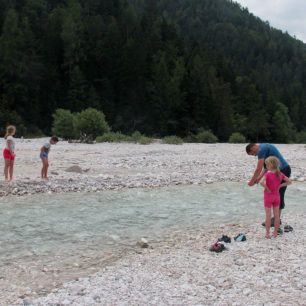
(285, 15)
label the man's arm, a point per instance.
(263, 171)
(257, 172)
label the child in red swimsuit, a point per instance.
(9, 152)
(272, 182)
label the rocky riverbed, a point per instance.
(94, 167)
(257, 271)
(181, 270)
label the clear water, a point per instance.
(46, 224)
(76, 231)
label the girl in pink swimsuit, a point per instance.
(272, 182)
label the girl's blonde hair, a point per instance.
(274, 163)
(9, 130)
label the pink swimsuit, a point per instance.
(272, 182)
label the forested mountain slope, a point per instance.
(161, 67)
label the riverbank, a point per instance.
(179, 270)
(184, 272)
(104, 166)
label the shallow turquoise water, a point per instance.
(62, 224)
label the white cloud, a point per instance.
(286, 15)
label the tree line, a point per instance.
(161, 67)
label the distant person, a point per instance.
(263, 151)
(44, 151)
(272, 181)
(9, 152)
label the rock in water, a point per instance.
(143, 243)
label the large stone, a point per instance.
(76, 169)
(143, 243)
(27, 302)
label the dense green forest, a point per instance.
(161, 67)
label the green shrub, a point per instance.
(63, 124)
(205, 136)
(113, 137)
(190, 138)
(144, 140)
(136, 136)
(90, 122)
(300, 137)
(237, 138)
(139, 138)
(172, 140)
(202, 136)
(119, 137)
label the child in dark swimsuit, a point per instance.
(44, 151)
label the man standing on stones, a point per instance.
(262, 151)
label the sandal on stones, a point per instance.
(217, 247)
(240, 237)
(272, 222)
(225, 239)
(288, 228)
